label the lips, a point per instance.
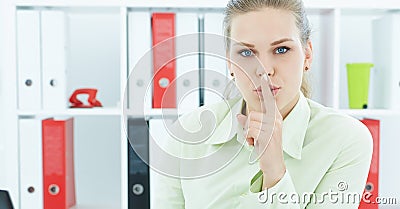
(274, 90)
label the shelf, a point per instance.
(185, 4)
(74, 112)
(94, 207)
(166, 113)
(216, 4)
(370, 112)
(172, 113)
(352, 4)
(72, 3)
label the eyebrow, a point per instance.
(244, 44)
(272, 44)
(281, 41)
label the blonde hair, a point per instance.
(236, 7)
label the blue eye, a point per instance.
(281, 50)
(246, 53)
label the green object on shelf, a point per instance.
(358, 83)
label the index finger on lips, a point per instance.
(268, 103)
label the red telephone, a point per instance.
(93, 102)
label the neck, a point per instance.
(289, 107)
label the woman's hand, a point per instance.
(263, 130)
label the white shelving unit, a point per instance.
(370, 112)
(332, 22)
(219, 4)
(74, 111)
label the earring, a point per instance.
(306, 68)
(233, 77)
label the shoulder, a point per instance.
(194, 131)
(338, 129)
(188, 127)
(208, 114)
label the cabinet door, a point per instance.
(187, 61)
(28, 60)
(385, 75)
(215, 69)
(53, 32)
(139, 91)
(30, 154)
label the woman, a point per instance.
(305, 155)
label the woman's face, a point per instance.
(267, 41)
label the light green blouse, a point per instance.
(327, 156)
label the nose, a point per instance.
(269, 70)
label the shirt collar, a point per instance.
(294, 126)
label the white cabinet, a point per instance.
(386, 76)
(77, 48)
(97, 52)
